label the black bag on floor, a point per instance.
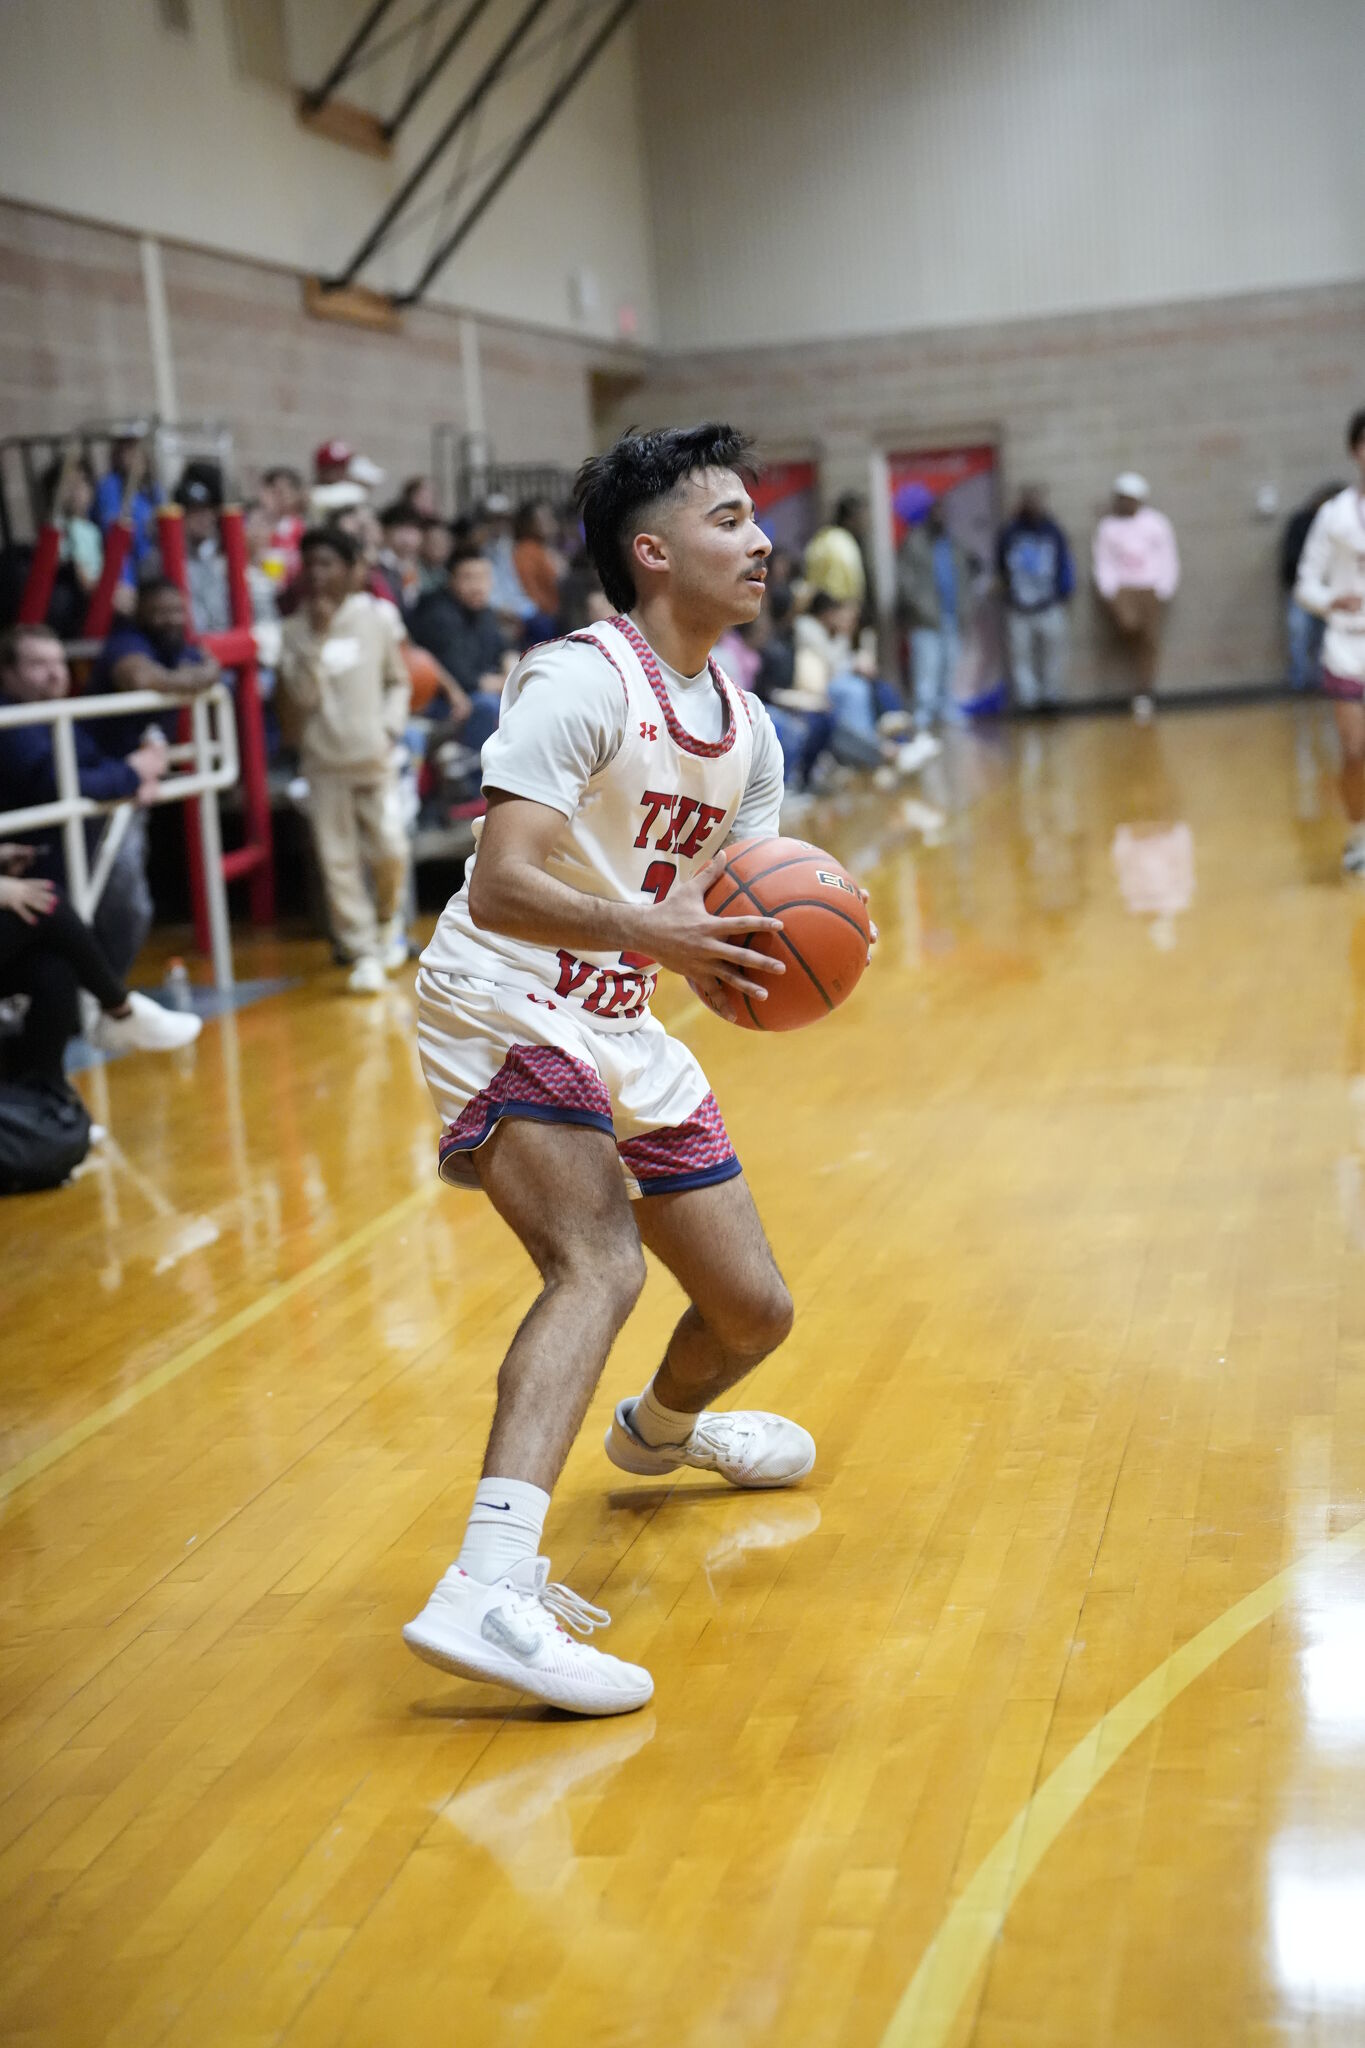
(44, 1133)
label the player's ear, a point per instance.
(650, 551)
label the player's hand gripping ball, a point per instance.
(826, 936)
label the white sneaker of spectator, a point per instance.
(145, 1027)
(395, 946)
(366, 978)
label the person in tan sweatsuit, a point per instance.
(343, 702)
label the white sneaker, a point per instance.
(395, 947)
(146, 1028)
(366, 978)
(917, 753)
(745, 1445)
(1143, 707)
(1353, 857)
(510, 1634)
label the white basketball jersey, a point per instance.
(659, 810)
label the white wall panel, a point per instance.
(891, 164)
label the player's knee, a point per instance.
(760, 1322)
(609, 1260)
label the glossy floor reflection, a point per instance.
(1072, 1201)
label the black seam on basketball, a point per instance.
(814, 903)
(792, 860)
(805, 966)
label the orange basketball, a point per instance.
(826, 933)
(424, 674)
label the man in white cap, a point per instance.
(1137, 570)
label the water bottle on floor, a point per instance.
(176, 987)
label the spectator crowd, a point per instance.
(385, 632)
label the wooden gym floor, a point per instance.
(1036, 1719)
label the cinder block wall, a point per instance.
(74, 346)
(1209, 400)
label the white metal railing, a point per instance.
(200, 768)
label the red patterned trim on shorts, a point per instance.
(687, 1155)
(1342, 687)
(538, 1082)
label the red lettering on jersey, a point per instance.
(655, 801)
(708, 817)
(683, 811)
(572, 973)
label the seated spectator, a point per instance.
(1034, 564)
(539, 565)
(49, 955)
(200, 497)
(68, 495)
(1304, 629)
(400, 554)
(438, 541)
(834, 558)
(420, 493)
(1137, 571)
(855, 715)
(282, 495)
(33, 670)
(509, 600)
(128, 492)
(261, 580)
(336, 462)
(343, 701)
(459, 626)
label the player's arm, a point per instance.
(511, 892)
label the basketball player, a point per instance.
(1331, 583)
(623, 763)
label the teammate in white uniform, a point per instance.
(623, 763)
(1331, 582)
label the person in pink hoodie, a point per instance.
(1137, 570)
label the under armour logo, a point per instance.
(648, 731)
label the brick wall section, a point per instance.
(74, 346)
(1208, 400)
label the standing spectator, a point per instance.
(1331, 584)
(1304, 628)
(1137, 571)
(1034, 564)
(460, 628)
(283, 497)
(127, 491)
(933, 596)
(336, 462)
(151, 651)
(400, 554)
(200, 497)
(539, 564)
(69, 494)
(33, 670)
(343, 701)
(834, 558)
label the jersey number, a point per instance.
(660, 876)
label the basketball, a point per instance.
(826, 933)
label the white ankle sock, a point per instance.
(504, 1526)
(659, 1425)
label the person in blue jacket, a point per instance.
(1036, 574)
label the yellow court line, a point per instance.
(949, 1967)
(204, 1347)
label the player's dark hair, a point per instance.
(1355, 433)
(615, 492)
(334, 537)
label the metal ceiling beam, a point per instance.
(438, 64)
(314, 99)
(440, 143)
(519, 149)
